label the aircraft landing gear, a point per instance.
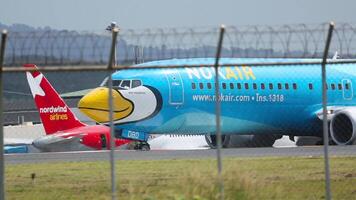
(139, 139)
(143, 146)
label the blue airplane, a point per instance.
(258, 104)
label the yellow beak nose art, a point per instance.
(95, 105)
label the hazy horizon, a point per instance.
(94, 15)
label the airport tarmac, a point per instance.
(25, 134)
(178, 154)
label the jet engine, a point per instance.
(234, 141)
(343, 127)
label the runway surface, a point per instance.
(177, 154)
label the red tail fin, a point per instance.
(54, 112)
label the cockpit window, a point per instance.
(126, 84)
(116, 83)
(136, 83)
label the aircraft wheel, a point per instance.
(211, 141)
(145, 147)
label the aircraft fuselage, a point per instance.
(254, 100)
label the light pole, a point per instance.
(112, 62)
(113, 26)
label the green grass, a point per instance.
(244, 178)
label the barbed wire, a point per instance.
(53, 47)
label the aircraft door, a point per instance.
(175, 85)
(347, 90)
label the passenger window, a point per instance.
(239, 86)
(224, 86)
(246, 86)
(347, 86)
(193, 86)
(332, 86)
(339, 86)
(208, 85)
(262, 86)
(254, 86)
(286, 86)
(136, 83)
(201, 86)
(271, 86)
(231, 86)
(310, 86)
(279, 86)
(294, 86)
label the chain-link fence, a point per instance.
(262, 105)
(63, 47)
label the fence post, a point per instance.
(325, 120)
(112, 134)
(2, 168)
(218, 112)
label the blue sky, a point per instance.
(140, 14)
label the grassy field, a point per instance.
(244, 178)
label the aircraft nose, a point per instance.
(95, 105)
